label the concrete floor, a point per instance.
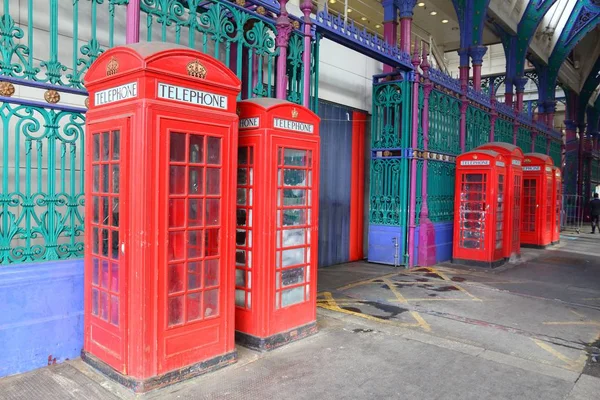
(523, 331)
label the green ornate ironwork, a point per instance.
(16, 53)
(503, 131)
(478, 128)
(295, 68)
(390, 139)
(444, 123)
(540, 144)
(524, 139)
(440, 190)
(41, 204)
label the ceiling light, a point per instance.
(433, 13)
(363, 18)
(444, 21)
(421, 4)
(349, 10)
(332, 1)
(377, 26)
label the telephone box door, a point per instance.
(296, 228)
(499, 236)
(105, 265)
(531, 210)
(474, 206)
(550, 208)
(193, 306)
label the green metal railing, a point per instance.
(556, 152)
(524, 139)
(444, 123)
(540, 144)
(503, 131)
(478, 128)
(440, 190)
(41, 202)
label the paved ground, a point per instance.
(525, 331)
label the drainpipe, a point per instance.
(413, 167)
(132, 23)
(306, 8)
(464, 84)
(284, 30)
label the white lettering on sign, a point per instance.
(475, 162)
(293, 125)
(247, 123)
(500, 163)
(516, 162)
(123, 92)
(191, 96)
(532, 168)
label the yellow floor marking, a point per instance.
(445, 277)
(573, 364)
(329, 303)
(366, 281)
(397, 293)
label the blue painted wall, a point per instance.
(381, 244)
(41, 314)
(334, 196)
(443, 241)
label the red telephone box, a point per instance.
(514, 179)
(160, 182)
(558, 208)
(277, 223)
(479, 208)
(538, 200)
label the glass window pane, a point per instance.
(240, 237)
(95, 209)
(212, 211)
(242, 155)
(96, 178)
(95, 302)
(104, 306)
(175, 310)
(292, 296)
(105, 178)
(114, 310)
(293, 257)
(241, 215)
(105, 146)
(294, 237)
(240, 277)
(115, 179)
(177, 147)
(294, 177)
(95, 240)
(194, 306)
(176, 179)
(114, 245)
(95, 271)
(176, 213)
(194, 244)
(291, 277)
(194, 276)
(242, 176)
(195, 212)
(241, 196)
(240, 298)
(114, 277)
(175, 278)
(116, 145)
(211, 303)
(211, 272)
(213, 150)
(196, 148)
(213, 180)
(294, 157)
(293, 217)
(176, 245)
(96, 150)
(105, 216)
(211, 245)
(105, 242)
(294, 197)
(240, 257)
(115, 212)
(196, 180)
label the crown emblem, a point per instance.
(294, 113)
(196, 69)
(475, 157)
(112, 67)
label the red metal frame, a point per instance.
(277, 211)
(175, 109)
(357, 186)
(538, 200)
(512, 213)
(479, 208)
